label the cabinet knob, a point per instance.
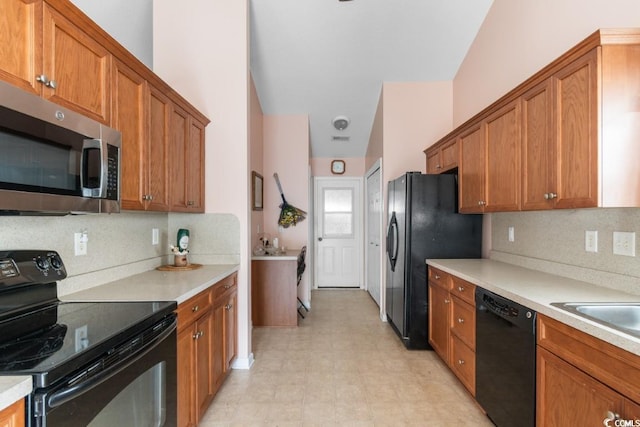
(51, 84)
(460, 320)
(228, 306)
(460, 362)
(612, 416)
(190, 203)
(198, 335)
(195, 308)
(460, 288)
(438, 167)
(437, 276)
(550, 196)
(447, 301)
(227, 285)
(481, 203)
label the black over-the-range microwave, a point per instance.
(53, 160)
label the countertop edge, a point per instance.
(14, 388)
(155, 285)
(492, 276)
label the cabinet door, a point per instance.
(177, 158)
(439, 320)
(203, 360)
(449, 154)
(218, 343)
(502, 187)
(568, 396)
(230, 331)
(631, 410)
(472, 170)
(538, 148)
(576, 121)
(13, 416)
(195, 166)
(159, 116)
(79, 66)
(433, 161)
(129, 100)
(185, 378)
(20, 49)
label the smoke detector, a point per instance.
(340, 122)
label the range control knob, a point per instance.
(42, 263)
(55, 261)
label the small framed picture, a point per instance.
(256, 193)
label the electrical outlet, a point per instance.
(624, 243)
(82, 338)
(80, 243)
(591, 241)
(155, 236)
(512, 234)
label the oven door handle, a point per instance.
(66, 394)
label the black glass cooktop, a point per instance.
(51, 341)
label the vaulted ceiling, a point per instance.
(329, 58)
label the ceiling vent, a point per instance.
(340, 138)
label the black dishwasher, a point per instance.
(505, 360)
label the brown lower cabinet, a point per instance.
(13, 416)
(582, 380)
(452, 324)
(205, 347)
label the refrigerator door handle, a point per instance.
(392, 241)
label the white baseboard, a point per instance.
(243, 363)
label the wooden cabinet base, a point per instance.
(274, 293)
(13, 416)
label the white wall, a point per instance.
(201, 50)
(127, 21)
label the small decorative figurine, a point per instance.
(181, 250)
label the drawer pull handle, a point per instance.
(437, 276)
(460, 362)
(227, 285)
(195, 308)
(198, 335)
(612, 416)
(460, 289)
(460, 320)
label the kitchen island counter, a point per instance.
(157, 285)
(537, 290)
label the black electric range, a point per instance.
(56, 342)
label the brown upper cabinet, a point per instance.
(444, 157)
(45, 53)
(565, 138)
(50, 48)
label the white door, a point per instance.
(338, 232)
(372, 241)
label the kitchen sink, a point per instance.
(624, 317)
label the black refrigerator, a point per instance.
(423, 222)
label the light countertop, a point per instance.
(289, 255)
(537, 290)
(157, 285)
(13, 389)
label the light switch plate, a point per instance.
(512, 234)
(624, 243)
(155, 236)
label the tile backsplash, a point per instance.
(554, 241)
(120, 245)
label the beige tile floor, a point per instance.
(341, 367)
